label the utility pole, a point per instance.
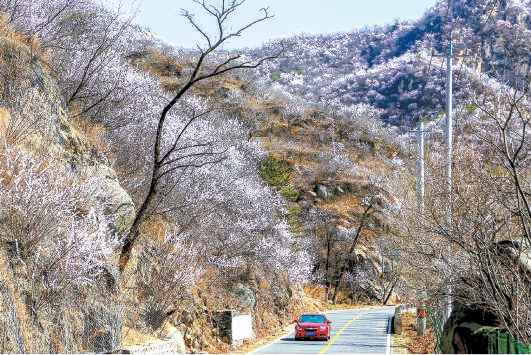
(449, 129)
(420, 132)
(382, 277)
(449, 153)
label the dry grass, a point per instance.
(134, 337)
(84, 126)
(32, 42)
(7, 31)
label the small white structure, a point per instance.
(234, 326)
(242, 328)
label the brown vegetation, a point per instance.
(414, 343)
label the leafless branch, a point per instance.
(163, 164)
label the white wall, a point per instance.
(242, 328)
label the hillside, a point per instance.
(147, 187)
(399, 69)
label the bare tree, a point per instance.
(323, 231)
(178, 154)
(483, 252)
(352, 241)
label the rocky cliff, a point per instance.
(34, 115)
(58, 287)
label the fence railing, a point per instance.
(436, 321)
(502, 343)
(485, 340)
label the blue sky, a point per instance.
(291, 17)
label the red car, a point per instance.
(313, 326)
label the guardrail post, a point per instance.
(397, 320)
(421, 321)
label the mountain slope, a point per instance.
(331, 118)
(400, 68)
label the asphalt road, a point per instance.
(353, 331)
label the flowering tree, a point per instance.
(83, 43)
(177, 155)
(57, 241)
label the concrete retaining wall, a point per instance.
(156, 347)
(233, 327)
(172, 344)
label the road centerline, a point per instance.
(339, 333)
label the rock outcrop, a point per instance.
(35, 118)
(34, 114)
